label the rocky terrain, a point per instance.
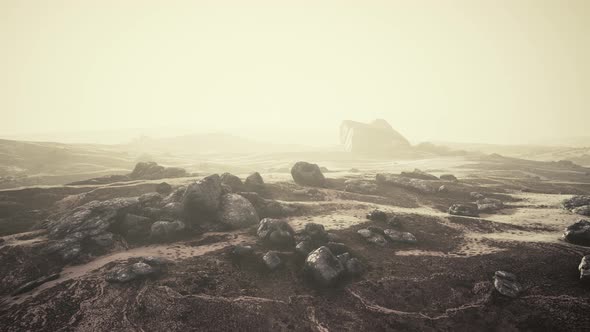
(447, 243)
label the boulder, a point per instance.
(142, 269)
(584, 268)
(372, 237)
(254, 182)
(275, 232)
(166, 230)
(152, 171)
(237, 212)
(163, 188)
(272, 260)
(316, 233)
(131, 272)
(241, 251)
(448, 177)
(443, 189)
(419, 185)
(419, 174)
(304, 248)
(462, 209)
(337, 248)
(507, 284)
(268, 208)
(402, 237)
(234, 182)
(354, 267)
(578, 233)
(323, 267)
(306, 174)
(360, 187)
(576, 201)
(489, 205)
(377, 215)
(202, 197)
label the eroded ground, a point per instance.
(443, 282)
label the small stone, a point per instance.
(507, 284)
(142, 269)
(354, 267)
(242, 251)
(397, 236)
(271, 260)
(584, 268)
(377, 215)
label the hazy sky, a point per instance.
(479, 71)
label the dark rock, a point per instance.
(377, 215)
(316, 232)
(354, 267)
(584, 268)
(234, 182)
(448, 177)
(202, 197)
(254, 182)
(272, 260)
(578, 233)
(343, 258)
(121, 275)
(166, 230)
(360, 187)
(583, 210)
(476, 195)
(507, 284)
(268, 208)
(372, 237)
(237, 212)
(242, 251)
(468, 210)
(376, 230)
(306, 174)
(337, 248)
(29, 286)
(576, 201)
(276, 232)
(142, 269)
(163, 188)
(150, 199)
(304, 248)
(397, 236)
(323, 267)
(418, 174)
(489, 205)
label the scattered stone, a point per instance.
(461, 209)
(234, 182)
(489, 205)
(304, 248)
(418, 174)
(449, 177)
(276, 232)
(507, 284)
(29, 286)
(397, 236)
(578, 233)
(202, 197)
(306, 174)
(237, 212)
(272, 260)
(360, 187)
(323, 267)
(166, 230)
(377, 215)
(163, 188)
(254, 182)
(372, 237)
(121, 275)
(142, 269)
(476, 195)
(443, 189)
(584, 268)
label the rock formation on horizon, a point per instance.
(375, 138)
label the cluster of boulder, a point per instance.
(144, 267)
(382, 237)
(325, 261)
(579, 233)
(578, 204)
(417, 180)
(482, 205)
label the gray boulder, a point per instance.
(401, 237)
(360, 187)
(583, 210)
(507, 284)
(234, 182)
(576, 201)
(152, 171)
(372, 237)
(448, 177)
(202, 197)
(323, 267)
(268, 208)
(306, 174)
(578, 233)
(419, 185)
(466, 210)
(272, 260)
(254, 182)
(489, 205)
(163, 188)
(237, 212)
(166, 230)
(275, 232)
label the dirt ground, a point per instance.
(441, 283)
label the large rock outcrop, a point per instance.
(375, 138)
